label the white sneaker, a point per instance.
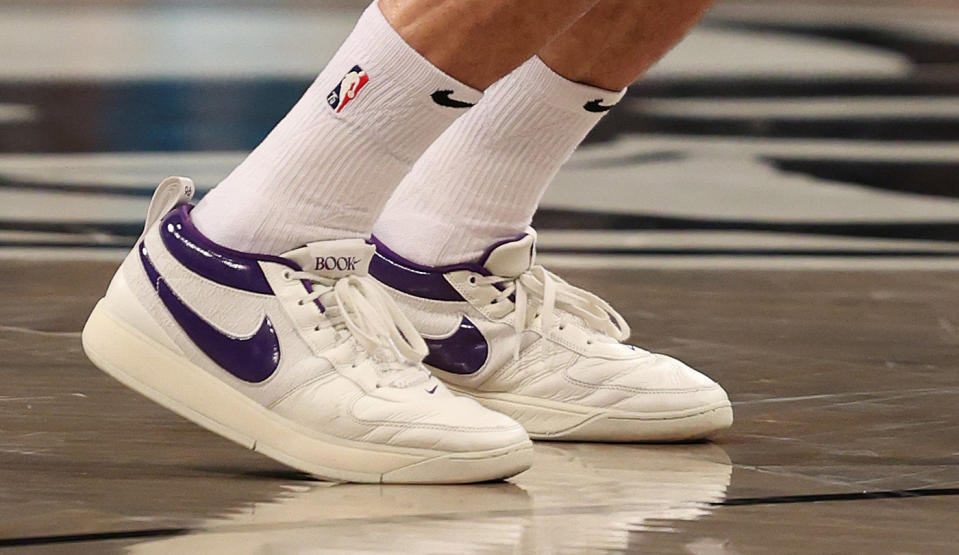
(303, 357)
(522, 341)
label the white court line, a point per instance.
(893, 14)
(751, 147)
(727, 180)
(621, 239)
(66, 238)
(15, 113)
(766, 263)
(60, 254)
(801, 108)
(122, 170)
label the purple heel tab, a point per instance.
(215, 262)
(425, 281)
(415, 279)
(477, 267)
(489, 250)
(190, 229)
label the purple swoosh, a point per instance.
(463, 352)
(252, 359)
(202, 256)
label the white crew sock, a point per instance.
(328, 168)
(481, 181)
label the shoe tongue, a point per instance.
(335, 259)
(512, 258)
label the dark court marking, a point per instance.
(593, 220)
(81, 187)
(860, 496)
(873, 128)
(165, 115)
(919, 49)
(197, 115)
(921, 83)
(930, 178)
(735, 502)
(94, 537)
(933, 178)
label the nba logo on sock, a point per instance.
(348, 88)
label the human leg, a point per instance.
(481, 181)
(253, 315)
(327, 169)
(454, 250)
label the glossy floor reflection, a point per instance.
(777, 204)
(844, 386)
(576, 498)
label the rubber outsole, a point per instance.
(166, 378)
(553, 421)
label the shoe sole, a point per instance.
(177, 384)
(555, 421)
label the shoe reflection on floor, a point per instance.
(576, 496)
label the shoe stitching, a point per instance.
(427, 426)
(631, 389)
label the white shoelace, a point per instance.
(370, 315)
(540, 286)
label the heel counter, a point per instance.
(123, 302)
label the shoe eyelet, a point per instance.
(316, 328)
(494, 301)
(300, 302)
(589, 341)
(286, 275)
(561, 327)
(472, 280)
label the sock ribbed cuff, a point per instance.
(554, 89)
(481, 181)
(329, 166)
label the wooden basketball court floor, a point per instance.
(785, 221)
